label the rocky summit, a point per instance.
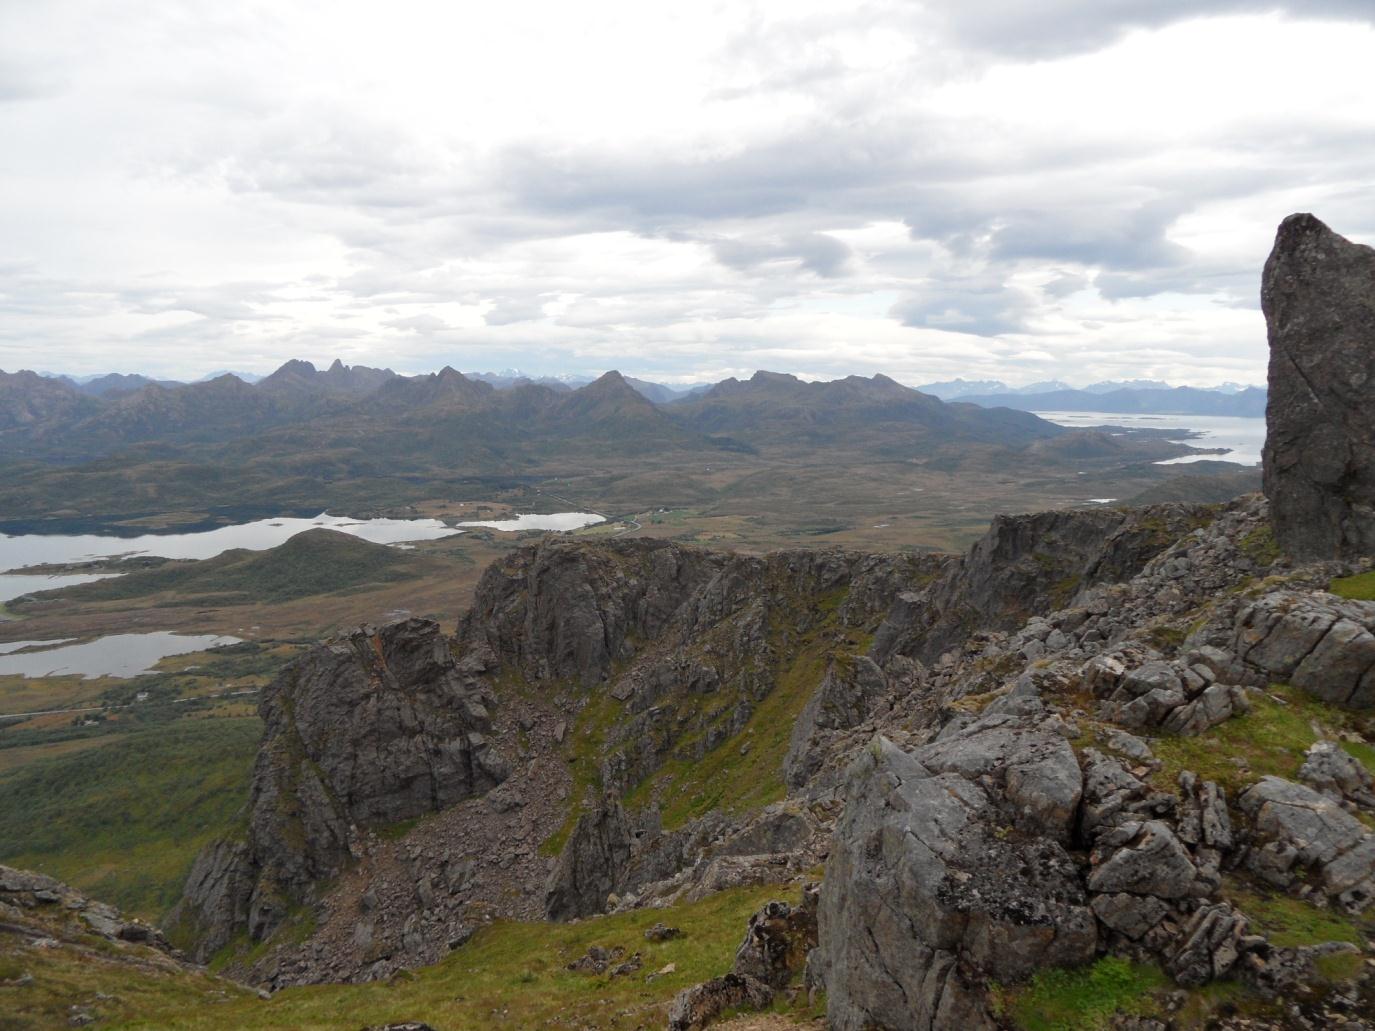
(1112, 768)
(1318, 293)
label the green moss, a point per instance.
(1340, 966)
(1260, 546)
(1084, 998)
(1357, 588)
(1364, 753)
(1290, 922)
(1269, 741)
(583, 747)
(744, 772)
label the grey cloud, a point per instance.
(1066, 283)
(982, 305)
(816, 252)
(1053, 28)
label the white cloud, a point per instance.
(678, 191)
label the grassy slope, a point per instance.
(124, 821)
(318, 561)
(511, 975)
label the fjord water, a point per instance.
(561, 521)
(119, 655)
(1243, 437)
(36, 549)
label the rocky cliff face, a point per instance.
(1318, 294)
(372, 728)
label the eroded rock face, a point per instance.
(923, 896)
(1318, 294)
(591, 864)
(1028, 564)
(371, 728)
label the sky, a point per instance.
(1071, 189)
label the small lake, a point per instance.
(119, 655)
(1242, 437)
(16, 586)
(35, 549)
(561, 521)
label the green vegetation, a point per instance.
(1357, 588)
(1268, 741)
(123, 822)
(1290, 922)
(1260, 546)
(584, 750)
(511, 975)
(744, 772)
(318, 561)
(1084, 998)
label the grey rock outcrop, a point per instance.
(1302, 828)
(373, 727)
(591, 864)
(22, 891)
(923, 898)
(843, 700)
(1338, 775)
(1318, 294)
(1027, 565)
(1314, 640)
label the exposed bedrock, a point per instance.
(371, 728)
(1318, 294)
(928, 890)
(1314, 640)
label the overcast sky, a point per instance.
(1081, 189)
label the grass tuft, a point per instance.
(1084, 998)
(1356, 588)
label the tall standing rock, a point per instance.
(1318, 293)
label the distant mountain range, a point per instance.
(966, 389)
(1249, 401)
(305, 435)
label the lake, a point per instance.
(119, 655)
(1242, 437)
(562, 521)
(35, 549)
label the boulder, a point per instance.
(1335, 773)
(1029, 760)
(1318, 295)
(696, 1007)
(1143, 858)
(924, 896)
(1303, 827)
(778, 940)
